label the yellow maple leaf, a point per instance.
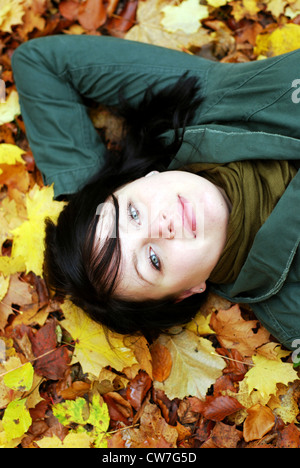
(282, 40)
(10, 154)
(12, 265)
(185, 17)
(4, 283)
(28, 240)
(244, 9)
(200, 325)
(92, 349)
(150, 30)
(10, 108)
(267, 373)
(11, 13)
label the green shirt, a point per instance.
(250, 112)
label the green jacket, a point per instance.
(250, 111)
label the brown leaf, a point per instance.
(138, 388)
(217, 408)
(289, 437)
(54, 364)
(259, 422)
(91, 14)
(77, 389)
(154, 432)
(161, 361)
(119, 408)
(69, 9)
(225, 436)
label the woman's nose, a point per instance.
(162, 226)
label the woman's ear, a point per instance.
(151, 173)
(189, 292)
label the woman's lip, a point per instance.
(187, 213)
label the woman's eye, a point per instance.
(133, 213)
(154, 260)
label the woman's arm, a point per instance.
(53, 73)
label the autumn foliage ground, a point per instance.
(220, 382)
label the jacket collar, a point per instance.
(272, 252)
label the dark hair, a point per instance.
(72, 267)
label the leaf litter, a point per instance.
(221, 381)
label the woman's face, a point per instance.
(172, 229)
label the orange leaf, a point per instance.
(161, 362)
(69, 9)
(259, 421)
(91, 14)
(235, 332)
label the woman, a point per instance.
(203, 190)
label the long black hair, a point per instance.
(72, 266)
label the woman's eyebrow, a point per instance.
(135, 263)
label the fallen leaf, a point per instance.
(267, 373)
(259, 422)
(92, 348)
(28, 238)
(91, 14)
(137, 389)
(16, 419)
(289, 437)
(80, 412)
(119, 408)
(216, 408)
(225, 436)
(235, 332)
(153, 432)
(184, 17)
(161, 361)
(4, 284)
(52, 362)
(195, 366)
(10, 154)
(149, 29)
(282, 40)
(10, 109)
(18, 376)
(18, 293)
(72, 440)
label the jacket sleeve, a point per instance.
(66, 147)
(52, 75)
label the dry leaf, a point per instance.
(195, 366)
(161, 361)
(235, 332)
(149, 29)
(259, 422)
(267, 373)
(92, 348)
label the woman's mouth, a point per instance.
(187, 214)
